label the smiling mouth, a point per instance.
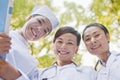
(62, 53)
(95, 47)
(33, 32)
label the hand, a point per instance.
(7, 71)
(4, 43)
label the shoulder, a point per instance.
(115, 53)
(48, 68)
(49, 71)
(86, 69)
(14, 35)
(116, 56)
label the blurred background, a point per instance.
(74, 13)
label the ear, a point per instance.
(28, 18)
(76, 50)
(108, 37)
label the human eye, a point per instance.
(87, 39)
(39, 21)
(70, 43)
(45, 31)
(97, 35)
(58, 41)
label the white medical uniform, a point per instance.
(20, 57)
(68, 72)
(112, 69)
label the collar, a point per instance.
(72, 63)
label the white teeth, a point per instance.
(95, 47)
(34, 33)
(62, 52)
(59, 54)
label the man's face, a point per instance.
(36, 28)
(96, 40)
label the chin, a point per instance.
(92, 52)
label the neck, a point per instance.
(60, 63)
(21, 33)
(104, 56)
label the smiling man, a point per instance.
(38, 25)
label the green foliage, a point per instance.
(77, 59)
(106, 11)
(72, 13)
(21, 9)
(46, 60)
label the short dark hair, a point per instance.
(68, 29)
(101, 26)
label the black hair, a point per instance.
(101, 26)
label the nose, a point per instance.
(93, 40)
(39, 28)
(63, 45)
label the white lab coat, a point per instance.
(20, 57)
(112, 69)
(68, 72)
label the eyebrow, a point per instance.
(48, 22)
(68, 40)
(92, 34)
(72, 41)
(59, 38)
(48, 30)
(96, 32)
(43, 20)
(39, 21)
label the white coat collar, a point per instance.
(65, 66)
(111, 58)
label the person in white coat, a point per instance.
(96, 38)
(20, 64)
(66, 43)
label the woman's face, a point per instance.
(36, 27)
(65, 46)
(96, 41)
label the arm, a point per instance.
(8, 72)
